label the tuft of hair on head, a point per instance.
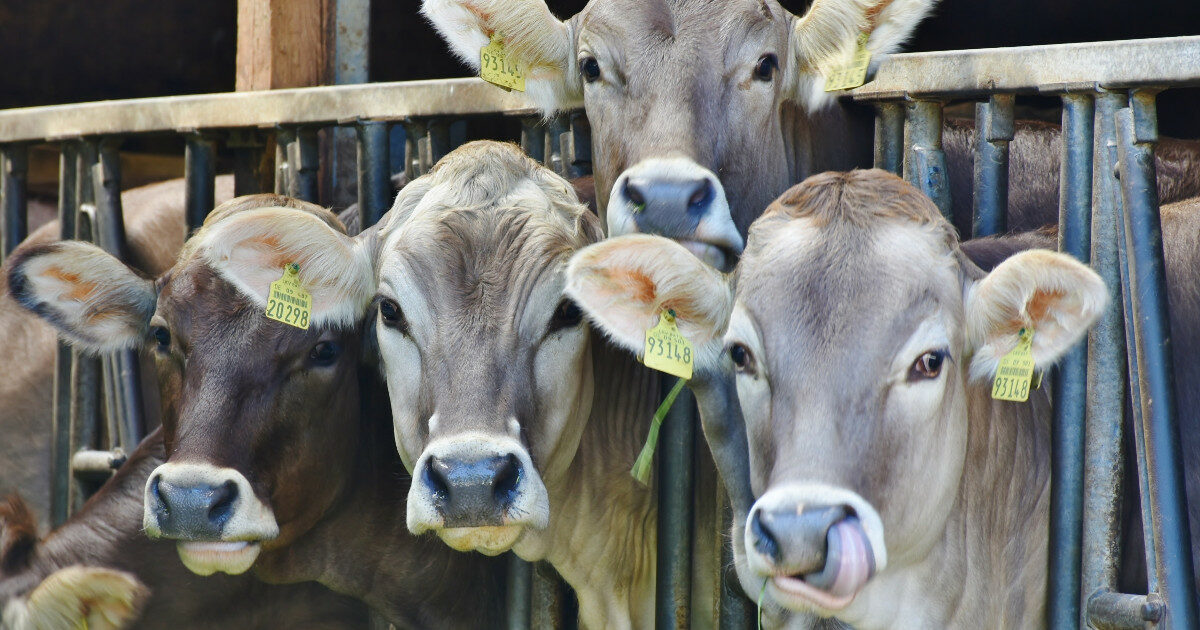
(18, 534)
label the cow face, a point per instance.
(487, 362)
(258, 417)
(859, 338)
(694, 106)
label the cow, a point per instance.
(884, 486)
(278, 458)
(702, 112)
(153, 220)
(101, 567)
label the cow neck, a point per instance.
(603, 523)
(362, 547)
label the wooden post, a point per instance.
(283, 43)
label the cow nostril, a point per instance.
(156, 494)
(764, 538)
(633, 194)
(434, 476)
(225, 496)
(702, 196)
(508, 476)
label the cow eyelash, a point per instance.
(928, 366)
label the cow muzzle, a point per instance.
(815, 547)
(213, 513)
(477, 492)
(681, 200)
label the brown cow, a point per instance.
(889, 489)
(146, 585)
(277, 459)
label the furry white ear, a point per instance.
(93, 299)
(624, 284)
(79, 597)
(252, 248)
(826, 37)
(1053, 294)
(532, 35)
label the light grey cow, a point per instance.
(889, 489)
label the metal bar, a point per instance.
(579, 141)
(1103, 463)
(85, 368)
(374, 183)
(200, 165)
(60, 462)
(14, 160)
(301, 152)
(533, 137)
(553, 156)
(924, 160)
(1116, 611)
(283, 138)
(519, 584)
(673, 579)
(993, 132)
(1137, 131)
(889, 136)
(548, 597)
(249, 155)
(416, 144)
(437, 143)
(736, 612)
(973, 73)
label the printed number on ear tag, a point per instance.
(1014, 374)
(666, 349)
(287, 301)
(854, 73)
(497, 68)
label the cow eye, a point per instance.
(765, 69)
(741, 356)
(589, 68)
(162, 337)
(567, 315)
(324, 353)
(927, 366)
(392, 316)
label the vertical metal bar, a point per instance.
(416, 146)
(60, 462)
(736, 612)
(579, 139)
(553, 155)
(85, 369)
(924, 160)
(993, 132)
(374, 184)
(303, 152)
(247, 148)
(533, 137)
(13, 191)
(1137, 130)
(673, 580)
(889, 136)
(437, 142)
(548, 599)
(1068, 430)
(200, 165)
(519, 583)
(284, 138)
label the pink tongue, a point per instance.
(855, 560)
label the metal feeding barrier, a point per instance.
(1108, 215)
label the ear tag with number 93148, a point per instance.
(497, 68)
(666, 349)
(287, 301)
(1014, 374)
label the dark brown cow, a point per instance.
(276, 458)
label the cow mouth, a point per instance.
(489, 540)
(849, 564)
(720, 256)
(207, 557)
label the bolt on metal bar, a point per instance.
(519, 584)
(889, 136)
(924, 160)
(374, 182)
(1068, 428)
(676, 450)
(60, 461)
(200, 165)
(1117, 611)
(993, 132)
(1137, 132)
(13, 184)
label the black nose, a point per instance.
(795, 541)
(668, 207)
(473, 493)
(192, 512)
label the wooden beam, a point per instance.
(283, 44)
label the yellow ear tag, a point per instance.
(854, 73)
(496, 68)
(1014, 374)
(287, 301)
(666, 349)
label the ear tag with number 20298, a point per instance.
(287, 301)
(1014, 374)
(497, 68)
(666, 349)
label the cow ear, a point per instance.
(624, 284)
(537, 40)
(826, 37)
(254, 248)
(93, 299)
(1052, 294)
(81, 597)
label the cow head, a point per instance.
(860, 337)
(487, 362)
(254, 454)
(699, 110)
